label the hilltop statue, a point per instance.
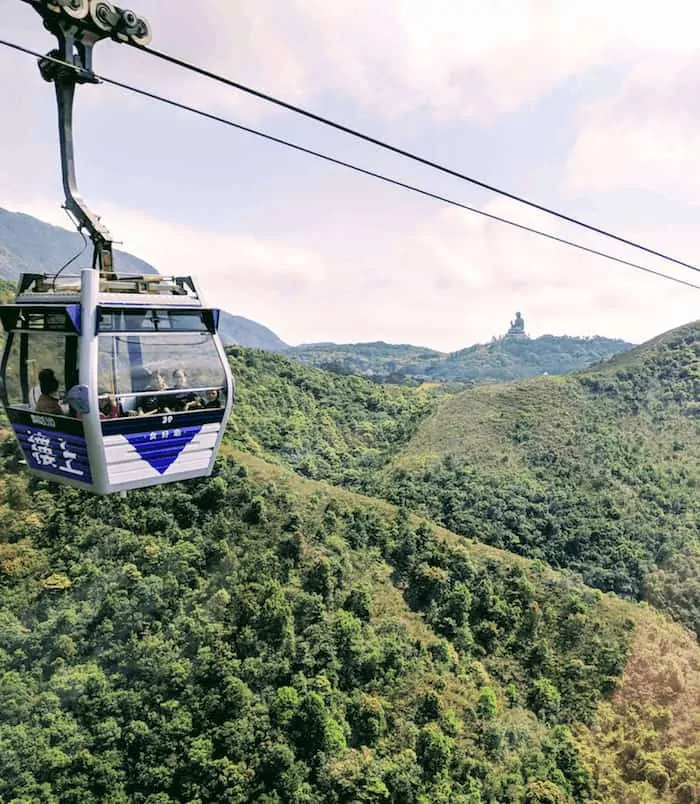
(517, 327)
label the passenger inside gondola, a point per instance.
(149, 402)
(211, 398)
(183, 398)
(48, 400)
(109, 407)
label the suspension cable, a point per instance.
(402, 152)
(363, 171)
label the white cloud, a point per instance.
(385, 267)
(642, 131)
(448, 58)
(451, 59)
(646, 136)
(456, 280)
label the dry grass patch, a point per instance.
(645, 743)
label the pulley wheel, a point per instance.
(141, 34)
(129, 19)
(104, 15)
(78, 9)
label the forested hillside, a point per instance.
(504, 359)
(255, 637)
(263, 636)
(597, 472)
(326, 427)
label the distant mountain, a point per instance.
(28, 245)
(236, 330)
(387, 362)
(505, 359)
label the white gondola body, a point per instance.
(107, 455)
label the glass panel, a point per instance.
(41, 372)
(55, 320)
(45, 366)
(151, 320)
(58, 319)
(126, 321)
(12, 383)
(161, 372)
(181, 320)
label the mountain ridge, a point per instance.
(28, 244)
(500, 360)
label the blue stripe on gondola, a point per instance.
(56, 424)
(162, 448)
(126, 425)
(73, 311)
(57, 453)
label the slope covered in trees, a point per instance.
(598, 472)
(256, 637)
(325, 426)
(261, 636)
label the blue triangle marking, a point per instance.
(160, 452)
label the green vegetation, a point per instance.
(324, 426)
(505, 359)
(7, 291)
(398, 362)
(597, 472)
(643, 745)
(252, 638)
(263, 636)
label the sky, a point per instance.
(591, 109)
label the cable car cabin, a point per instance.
(114, 384)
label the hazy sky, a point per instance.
(590, 108)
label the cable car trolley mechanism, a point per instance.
(110, 382)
